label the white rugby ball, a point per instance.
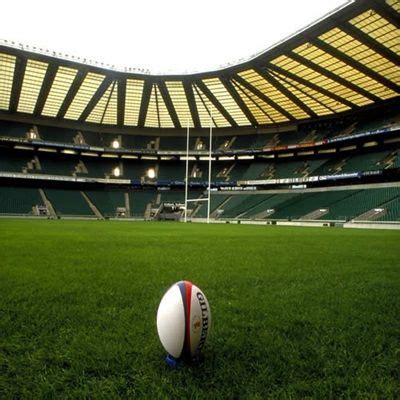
(183, 320)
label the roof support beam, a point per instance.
(121, 101)
(216, 103)
(370, 42)
(240, 88)
(96, 98)
(333, 76)
(144, 104)
(73, 90)
(19, 72)
(355, 64)
(283, 89)
(192, 104)
(168, 103)
(232, 91)
(263, 97)
(311, 85)
(46, 86)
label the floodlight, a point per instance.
(116, 171)
(151, 173)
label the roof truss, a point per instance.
(214, 101)
(229, 87)
(333, 76)
(46, 86)
(73, 90)
(19, 72)
(283, 89)
(263, 97)
(121, 101)
(313, 86)
(192, 104)
(355, 64)
(168, 103)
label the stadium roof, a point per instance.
(345, 62)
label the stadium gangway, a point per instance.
(209, 173)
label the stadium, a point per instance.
(277, 181)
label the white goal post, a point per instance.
(209, 173)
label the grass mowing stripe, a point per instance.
(297, 312)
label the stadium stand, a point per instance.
(107, 201)
(18, 200)
(68, 202)
(311, 113)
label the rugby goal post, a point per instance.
(207, 199)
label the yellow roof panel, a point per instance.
(223, 96)
(85, 93)
(7, 67)
(395, 4)
(202, 110)
(165, 117)
(31, 85)
(302, 71)
(259, 109)
(274, 94)
(59, 90)
(362, 53)
(106, 106)
(374, 25)
(157, 113)
(133, 99)
(178, 97)
(151, 115)
(338, 67)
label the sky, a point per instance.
(161, 36)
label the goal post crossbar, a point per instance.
(196, 200)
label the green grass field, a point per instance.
(297, 312)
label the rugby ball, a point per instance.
(183, 320)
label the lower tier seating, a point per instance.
(18, 200)
(68, 202)
(378, 204)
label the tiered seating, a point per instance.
(305, 203)
(106, 202)
(13, 129)
(243, 142)
(57, 166)
(18, 200)
(100, 168)
(392, 211)
(360, 202)
(288, 169)
(364, 162)
(269, 203)
(255, 170)
(14, 162)
(173, 143)
(68, 202)
(168, 196)
(139, 201)
(172, 171)
(134, 169)
(56, 134)
(215, 201)
(239, 204)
